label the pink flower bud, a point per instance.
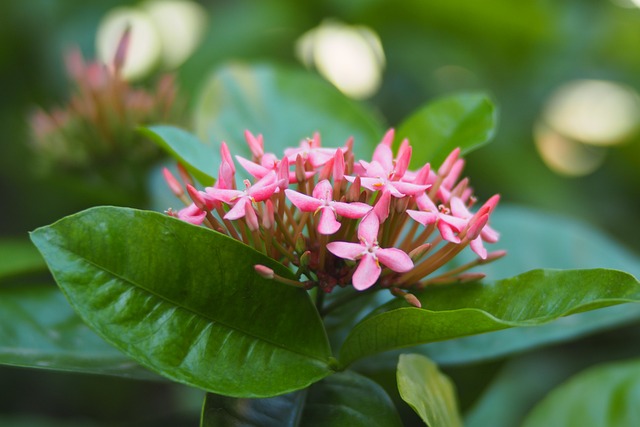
(264, 271)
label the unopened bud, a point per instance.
(301, 243)
(408, 297)
(173, 183)
(492, 256)
(305, 259)
(121, 51)
(301, 176)
(449, 162)
(196, 197)
(264, 271)
(353, 194)
(184, 174)
(418, 252)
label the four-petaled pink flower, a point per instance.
(370, 255)
(322, 201)
(242, 200)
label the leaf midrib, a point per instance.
(190, 310)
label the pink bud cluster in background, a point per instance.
(338, 221)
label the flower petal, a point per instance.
(328, 223)
(423, 218)
(396, 259)
(351, 210)
(239, 209)
(346, 250)
(368, 228)
(323, 190)
(257, 171)
(302, 201)
(367, 273)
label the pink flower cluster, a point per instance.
(337, 221)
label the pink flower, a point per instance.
(322, 201)
(311, 151)
(384, 174)
(242, 200)
(488, 234)
(447, 224)
(370, 255)
(192, 214)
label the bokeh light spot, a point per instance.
(594, 112)
(180, 25)
(566, 156)
(350, 57)
(144, 49)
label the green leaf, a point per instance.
(39, 329)
(285, 106)
(342, 399)
(18, 257)
(428, 391)
(349, 399)
(459, 310)
(279, 411)
(465, 120)
(606, 395)
(185, 302)
(560, 242)
(199, 158)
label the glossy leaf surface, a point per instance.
(538, 239)
(473, 308)
(285, 106)
(185, 302)
(39, 329)
(343, 399)
(200, 159)
(465, 120)
(428, 391)
(605, 395)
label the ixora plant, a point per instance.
(300, 262)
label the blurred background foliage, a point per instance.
(565, 75)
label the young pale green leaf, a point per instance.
(18, 257)
(185, 302)
(459, 310)
(199, 158)
(342, 399)
(603, 396)
(285, 106)
(39, 329)
(428, 391)
(465, 120)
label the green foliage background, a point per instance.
(517, 51)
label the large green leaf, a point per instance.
(537, 239)
(284, 105)
(603, 396)
(342, 399)
(465, 120)
(19, 257)
(454, 311)
(428, 391)
(185, 302)
(39, 329)
(199, 158)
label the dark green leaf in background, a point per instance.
(19, 257)
(185, 302)
(280, 411)
(284, 105)
(428, 391)
(459, 310)
(200, 159)
(602, 396)
(465, 120)
(349, 399)
(342, 399)
(39, 329)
